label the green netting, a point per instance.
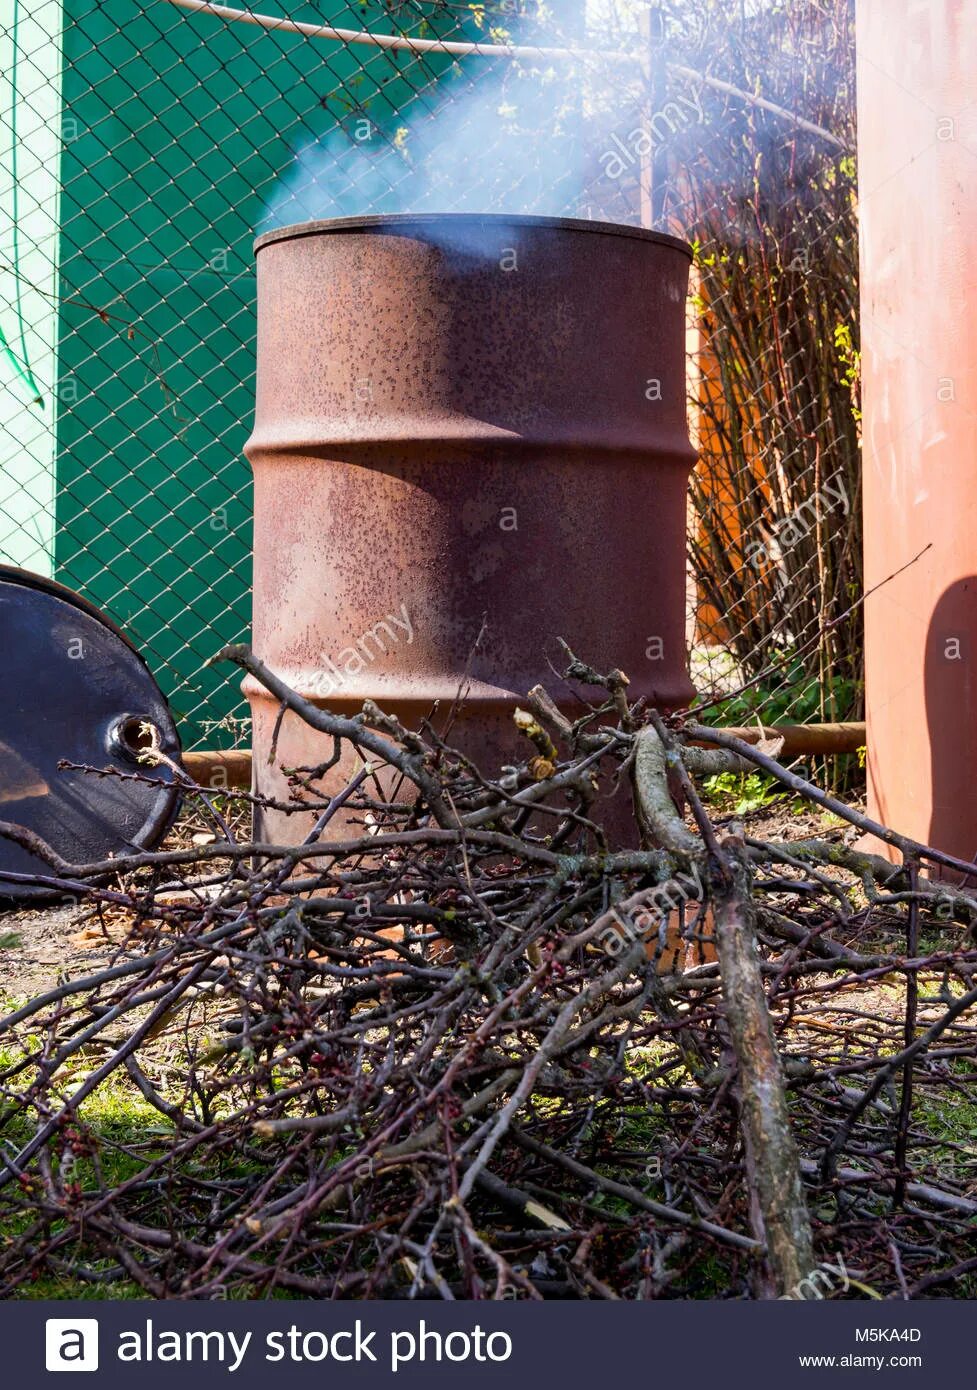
(144, 144)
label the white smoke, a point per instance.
(503, 143)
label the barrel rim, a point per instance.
(44, 584)
(382, 221)
(27, 579)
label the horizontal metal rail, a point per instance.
(219, 768)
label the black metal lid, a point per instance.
(75, 689)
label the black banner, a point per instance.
(413, 1344)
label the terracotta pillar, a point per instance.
(917, 151)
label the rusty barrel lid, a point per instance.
(404, 221)
(75, 690)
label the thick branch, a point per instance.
(780, 1213)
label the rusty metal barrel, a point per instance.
(464, 420)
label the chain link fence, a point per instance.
(145, 142)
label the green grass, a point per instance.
(65, 1287)
(949, 1116)
(741, 792)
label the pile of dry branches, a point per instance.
(449, 1055)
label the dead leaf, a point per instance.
(771, 747)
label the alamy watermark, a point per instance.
(639, 143)
(809, 1289)
(375, 642)
(647, 913)
(799, 523)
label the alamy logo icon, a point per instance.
(71, 1344)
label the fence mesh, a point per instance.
(146, 141)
